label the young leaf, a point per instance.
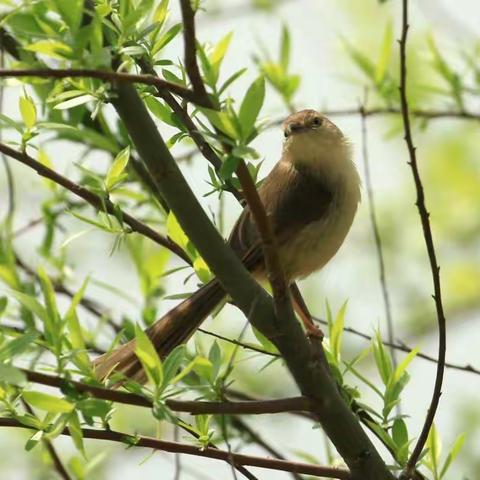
(336, 332)
(454, 451)
(115, 172)
(74, 102)
(385, 54)
(148, 356)
(75, 430)
(285, 48)
(71, 12)
(28, 111)
(251, 106)
(17, 346)
(47, 402)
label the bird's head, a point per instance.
(311, 137)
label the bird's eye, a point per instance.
(317, 121)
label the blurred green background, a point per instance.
(334, 44)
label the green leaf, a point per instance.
(17, 346)
(161, 12)
(454, 451)
(175, 231)
(71, 12)
(48, 294)
(74, 102)
(161, 111)
(172, 363)
(218, 54)
(148, 356)
(50, 48)
(115, 172)
(201, 269)
(385, 53)
(11, 375)
(75, 430)
(399, 432)
(28, 111)
(215, 357)
(31, 304)
(285, 48)
(47, 402)
(251, 106)
(166, 38)
(74, 328)
(3, 305)
(404, 364)
(382, 359)
(434, 450)
(34, 440)
(336, 332)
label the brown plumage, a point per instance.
(310, 196)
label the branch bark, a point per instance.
(409, 470)
(174, 447)
(94, 200)
(110, 76)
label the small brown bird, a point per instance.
(311, 197)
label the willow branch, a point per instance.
(57, 462)
(93, 199)
(174, 447)
(190, 52)
(377, 238)
(427, 233)
(193, 407)
(109, 76)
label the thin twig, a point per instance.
(427, 114)
(378, 240)
(427, 233)
(57, 462)
(109, 76)
(192, 407)
(174, 447)
(95, 200)
(190, 52)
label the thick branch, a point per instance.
(110, 76)
(427, 233)
(174, 447)
(96, 201)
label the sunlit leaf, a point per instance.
(47, 402)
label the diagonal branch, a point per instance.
(95, 200)
(427, 233)
(208, 452)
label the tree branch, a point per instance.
(93, 199)
(173, 447)
(377, 238)
(190, 52)
(427, 233)
(255, 407)
(110, 76)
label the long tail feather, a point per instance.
(173, 329)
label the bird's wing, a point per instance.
(293, 198)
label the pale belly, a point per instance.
(317, 243)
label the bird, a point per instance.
(310, 196)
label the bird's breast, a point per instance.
(312, 247)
